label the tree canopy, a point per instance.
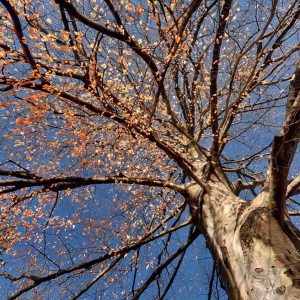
(112, 112)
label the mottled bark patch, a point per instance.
(248, 229)
(296, 283)
(224, 252)
(241, 209)
(293, 233)
(280, 290)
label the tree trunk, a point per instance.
(257, 258)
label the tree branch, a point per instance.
(19, 33)
(158, 270)
(293, 188)
(239, 186)
(19, 174)
(284, 147)
(98, 277)
(63, 183)
(173, 276)
(294, 213)
(214, 77)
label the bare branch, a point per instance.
(294, 213)
(293, 188)
(98, 277)
(239, 186)
(173, 276)
(158, 270)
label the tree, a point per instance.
(124, 123)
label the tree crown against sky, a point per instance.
(115, 114)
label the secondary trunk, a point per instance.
(257, 258)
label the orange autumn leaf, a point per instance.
(129, 18)
(20, 121)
